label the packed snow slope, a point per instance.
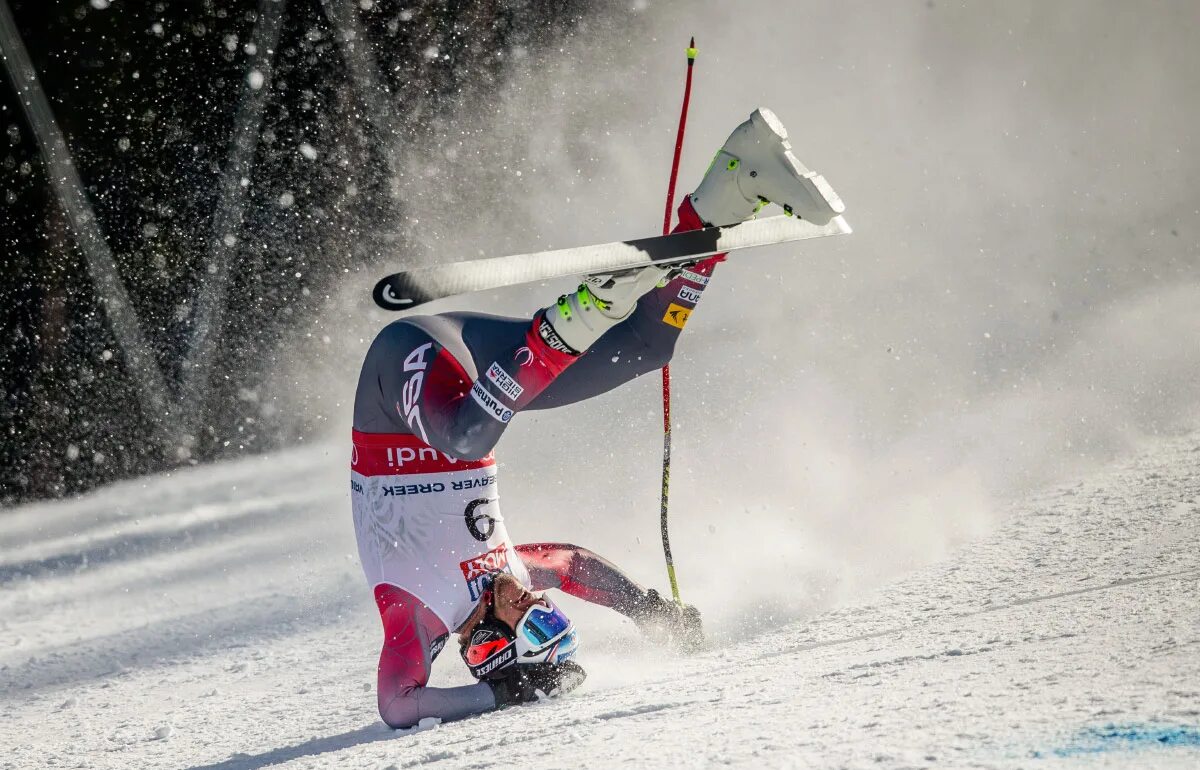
(217, 618)
(861, 430)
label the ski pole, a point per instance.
(666, 370)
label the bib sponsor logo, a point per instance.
(688, 294)
(355, 487)
(490, 403)
(552, 340)
(676, 315)
(695, 277)
(480, 571)
(398, 456)
(411, 392)
(504, 381)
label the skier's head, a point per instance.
(512, 626)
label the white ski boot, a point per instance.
(755, 167)
(600, 303)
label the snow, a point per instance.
(217, 617)
(836, 519)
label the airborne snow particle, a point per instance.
(229, 239)
(255, 79)
(106, 355)
(308, 151)
(157, 28)
(286, 200)
(100, 5)
(430, 53)
(72, 452)
(123, 143)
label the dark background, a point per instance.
(145, 94)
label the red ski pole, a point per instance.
(666, 371)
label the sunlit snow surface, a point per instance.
(217, 618)
(1017, 303)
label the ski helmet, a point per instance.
(543, 635)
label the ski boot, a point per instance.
(666, 622)
(600, 303)
(756, 167)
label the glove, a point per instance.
(669, 623)
(529, 683)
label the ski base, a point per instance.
(411, 288)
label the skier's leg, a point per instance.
(411, 382)
(643, 342)
(754, 167)
(410, 631)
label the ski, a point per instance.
(410, 288)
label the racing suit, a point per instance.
(434, 396)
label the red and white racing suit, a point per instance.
(434, 396)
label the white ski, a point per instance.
(410, 288)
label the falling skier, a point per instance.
(434, 396)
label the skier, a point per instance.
(434, 396)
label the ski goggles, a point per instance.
(545, 634)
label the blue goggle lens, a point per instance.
(543, 624)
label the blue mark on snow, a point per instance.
(1096, 740)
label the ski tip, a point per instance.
(843, 226)
(691, 51)
(387, 297)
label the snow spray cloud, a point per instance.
(1019, 299)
